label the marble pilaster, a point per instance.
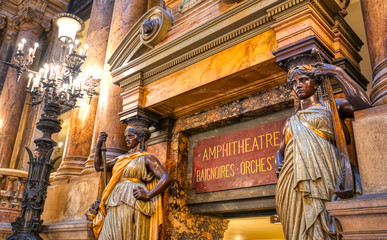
(125, 14)
(80, 135)
(31, 24)
(374, 14)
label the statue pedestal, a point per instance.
(75, 229)
(365, 216)
(66, 204)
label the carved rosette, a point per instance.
(32, 17)
(155, 27)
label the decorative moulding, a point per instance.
(249, 18)
(244, 21)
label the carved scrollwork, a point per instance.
(33, 16)
(155, 26)
(3, 22)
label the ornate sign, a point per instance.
(237, 160)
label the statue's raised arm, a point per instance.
(308, 162)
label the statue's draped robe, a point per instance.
(308, 177)
(124, 217)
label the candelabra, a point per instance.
(22, 60)
(58, 87)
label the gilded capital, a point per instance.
(32, 20)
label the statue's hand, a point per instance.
(141, 194)
(278, 169)
(324, 69)
(101, 139)
(93, 210)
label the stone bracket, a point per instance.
(303, 47)
(138, 112)
(162, 132)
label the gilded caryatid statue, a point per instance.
(312, 168)
(130, 205)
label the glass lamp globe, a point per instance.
(68, 26)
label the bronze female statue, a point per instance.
(307, 162)
(127, 207)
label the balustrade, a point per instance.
(11, 192)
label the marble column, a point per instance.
(374, 14)
(79, 140)
(7, 47)
(125, 14)
(31, 24)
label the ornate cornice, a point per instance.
(159, 62)
(247, 19)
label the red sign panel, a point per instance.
(237, 160)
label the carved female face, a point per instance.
(132, 140)
(303, 86)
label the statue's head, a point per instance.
(302, 64)
(306, 70)
(137, 133)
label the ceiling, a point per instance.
(253, 228)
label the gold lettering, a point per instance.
(223, 171)
(252, 169)
(255, 144)
(227, 166)
(205, 156)
(241, 146)
(213, 173)
(276, 138)
(233, 143)
(258, 165)
(247, 145)
(261, 136)
(248, 167)
(197, 175)
(218, 150)
(242, 167)
(269, 140)
(268, 162)
(262, 164)
(225, 150)
(232, 170)
(212, 153)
